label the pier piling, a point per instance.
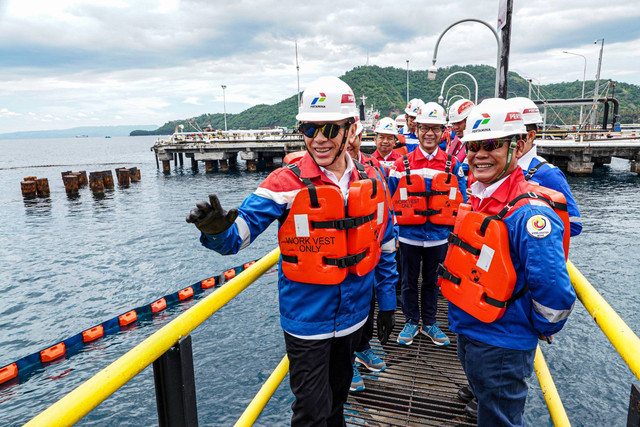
(252, 165)
(42, 187)
(123, 177)
(194, 164)
(166, 166)
(134, 174)
(83, 179)
(107, 179)
(209, 166)
(70, 184)
(96, 183)
(28, 189)
(224, 165)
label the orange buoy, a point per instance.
(42, 187)
(230, 274)
(186, 293)
(159, 305)
(53, 352)
(128, 318)
(28, 189)
(8, 373)
(93, 333)
(248, 264)
(208, 283)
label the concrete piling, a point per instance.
(107, 179)
(224, 165)
(209, 166)
(96, 183)
(194, 164)
(134, 174)
(70, 184)
(252, 165)
(83, 181)
(42, 187)
(29, 178)
(166, 166)
(123, 177)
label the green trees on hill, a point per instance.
(385, 89)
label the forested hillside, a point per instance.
(385, 89)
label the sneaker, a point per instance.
(357, 384)
(410, 330)
(472, 408)
(465, 394)
(369, 359)
(437, 336)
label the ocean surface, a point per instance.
(67, 264)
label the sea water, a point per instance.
(67, 264)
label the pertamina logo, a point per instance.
(483, 121)
(512, 117)
(316, 103)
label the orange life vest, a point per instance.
(293, 157)
(320, 243)
(401, 146)
(477, 274)
(413, 205)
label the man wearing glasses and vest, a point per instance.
(337, 242)
(427, 186)
(505, 274)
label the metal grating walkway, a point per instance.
(419, 386)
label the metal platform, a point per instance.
(419, 386)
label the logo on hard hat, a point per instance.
(531, 111)
(465, 107)
(433, 113)
(320, 98)
(486, 118)
(512, 117)
(348, 98)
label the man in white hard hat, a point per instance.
(386, 134)
(536, 168)
(330, 262)
(422, 227)
(458, 113)
(411, 112)
(353, 147)
(507, 287)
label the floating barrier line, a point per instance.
(18, 371)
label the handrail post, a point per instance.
(175, 386)
(633, 417)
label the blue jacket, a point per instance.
(539, 263)
(412, 141)
(419, 165)
(551, 177)
(310, 311)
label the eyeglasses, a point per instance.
(329, 130)
(487, 144)
(426, 129)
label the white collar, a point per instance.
(525, 160)
(427, 155)
(343, 182)
(479, 190)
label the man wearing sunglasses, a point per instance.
(497, 354)
(337, 244)
(423, 242)
(536, 168)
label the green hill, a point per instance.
(385, 89)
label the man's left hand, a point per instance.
(386, 322)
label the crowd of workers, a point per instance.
(455, 202)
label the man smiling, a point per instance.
(337, 242)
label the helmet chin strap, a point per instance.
(512, 146)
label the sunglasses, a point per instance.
(487, 144)
(329, 130)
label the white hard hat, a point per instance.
(493, 118)
(459, 110)
(386, 125)
(413, 106)
(401, 121)
(432, 113)
(528, 109)
(327, 99)
(359, 127)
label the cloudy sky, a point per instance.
(68, 63)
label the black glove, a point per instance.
(210, 218)
(386, 322)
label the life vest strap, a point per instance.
(313, 194)
(457, 241)
(533, 170)
(428, 212)
(504, 304)
(344, 223)
(290, 258)
(442, 271)
(407, 170)
(346, 261)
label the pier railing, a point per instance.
(169, 349)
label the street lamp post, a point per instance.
(448, 101)
(441, 98)
(224, 103)
(431, 72)
(407, 82)
(595, 91)
(446, 97)
(584, 78)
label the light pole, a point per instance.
(224, 103)
(441, 98)
(584, 78)
(448, 101)
(446, 97)
(407, 82)
(431, 72)
(595, 91)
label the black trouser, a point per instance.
(320, 373)
(367, 329)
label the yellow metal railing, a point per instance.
(549, 391)
(625, 341)
(91, 393)
(253, 411)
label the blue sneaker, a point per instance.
(437, 336)
(357, 384)
(410, 330)
(369, 359)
